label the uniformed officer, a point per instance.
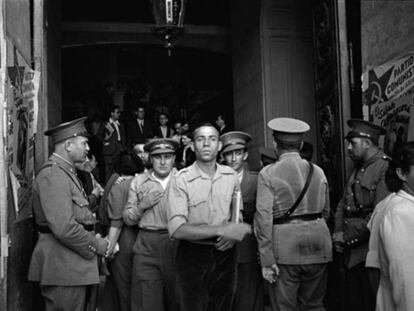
(153, 277)
(64, 260)
(249, 292)
(365, 188)
(290, 221)
(199, 215)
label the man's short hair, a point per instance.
(204, 124)
(307, 151)
(113, 107)
(288, 146)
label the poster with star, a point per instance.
(388, 81)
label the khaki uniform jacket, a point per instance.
(278, 187)
(65, 257)
(365, 189)
(247, 249)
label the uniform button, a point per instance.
(348, 208)
(362, 170)
(357, 182)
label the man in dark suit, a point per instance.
(221, 124)
(113, 134)
(163, 131)
(139, 130)
(64, 261)
(249, 294)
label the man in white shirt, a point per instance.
(153, 277)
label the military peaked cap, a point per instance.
(68, 130)
(288, 130)
(365, 129)
(161, 145)
(234, 140)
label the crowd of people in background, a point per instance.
(179, 221)
(109, 137)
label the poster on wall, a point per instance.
(22, 117)
(391, 80)
(395, 116)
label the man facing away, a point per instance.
(199, 214)
(64, 260)
(290, 221)
(153, 277)
(365, 189)
(249, 293)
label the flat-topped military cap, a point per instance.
(161, 145)
(365, 129)
(268, 153)
(288, 130)
(68, 130)
(234, 140)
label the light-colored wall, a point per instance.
(386, 30)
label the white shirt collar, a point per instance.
(163, 182)
(113, 122)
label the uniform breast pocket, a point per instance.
(368, 189)
(80, 210)
(197, 201)
(197, 210)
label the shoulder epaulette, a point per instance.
(182, 171)
(227, 169)
(45, 165)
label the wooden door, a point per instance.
(287, 45)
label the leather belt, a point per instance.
(299, 218)
(160, 231)
(360, 213)
(208, 241)
(46, 229)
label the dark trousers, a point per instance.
(153, 273)
(206, 277)
(359, 294)
(249, 293)
(117, 290)
(69, 298)
(299, 287)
